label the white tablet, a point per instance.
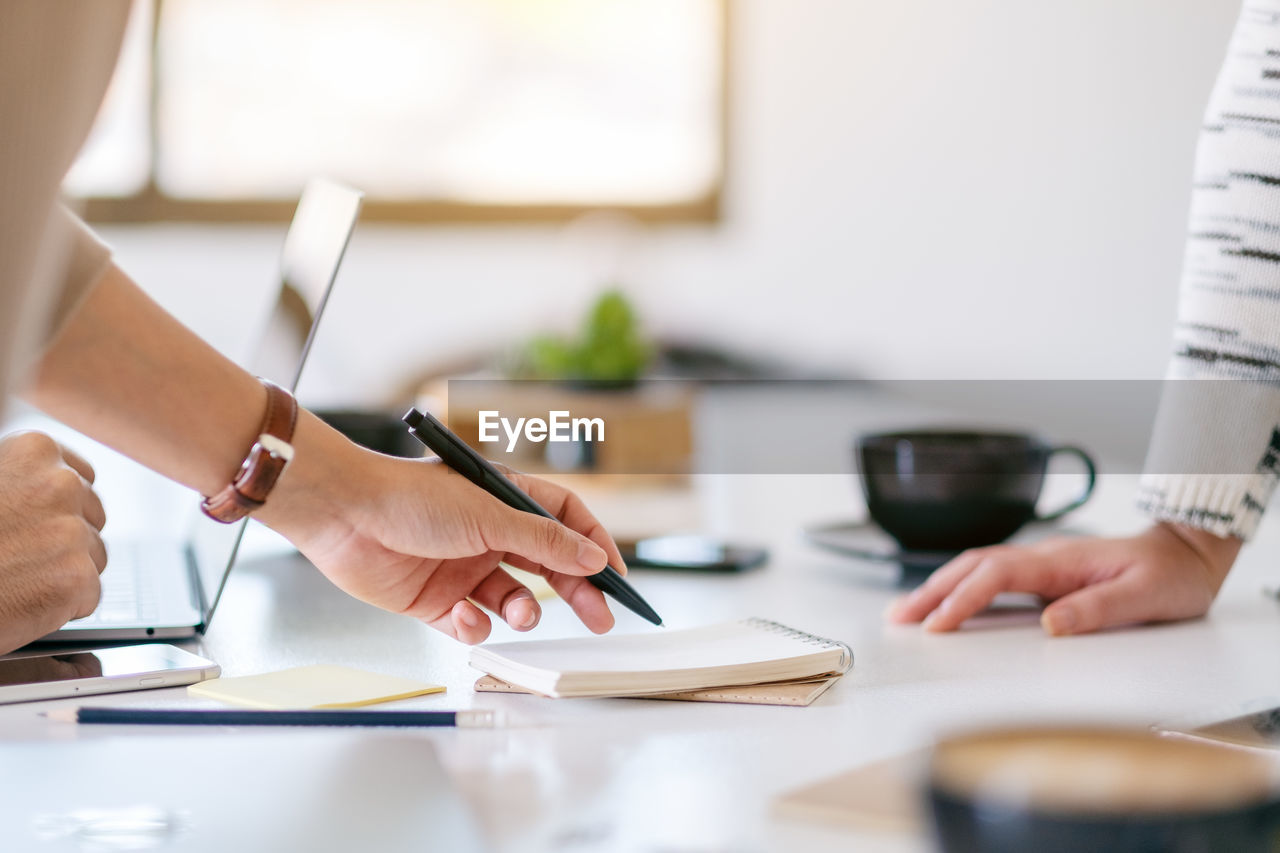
(114, 670)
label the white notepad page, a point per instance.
(751, 651)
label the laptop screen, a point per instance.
(313, 250)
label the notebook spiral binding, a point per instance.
(846, 653)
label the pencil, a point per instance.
(219, 717)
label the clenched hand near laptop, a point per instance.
(50, 548)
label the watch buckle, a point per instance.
(276, 447)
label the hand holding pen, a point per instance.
(415, 538)
(459, 456)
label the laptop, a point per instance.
(161, 589)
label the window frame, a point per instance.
(151, 205)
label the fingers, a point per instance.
(925, 598)
(1091, 608)
(570, 509)
(68, 492)
(543, 541)
(97, 550)
(968, 585)
(86, 592)
(495, 590)
(579, 593)
(509, 598)
(466, 622)
(77, 463)
(84, 562)
(69, 482)
(92, 510)
(585, 600)
(1129, 598)
(516, 604)
(90, 505)
(994, 574)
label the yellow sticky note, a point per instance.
(319, 686)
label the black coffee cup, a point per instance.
(948, 490)
(1066, 790)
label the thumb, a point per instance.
(1119, 601)
(543, 541)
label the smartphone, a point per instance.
(691, 553)
(113, 670)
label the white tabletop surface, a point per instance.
(652, 775)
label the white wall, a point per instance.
(976, 188)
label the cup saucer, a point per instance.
(863, 540)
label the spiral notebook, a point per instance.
(733, 654)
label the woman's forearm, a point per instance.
(125, 372)
(407, 535)
(1214, 459)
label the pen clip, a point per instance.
(451, 449)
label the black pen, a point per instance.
(459, 456)
(220, 717)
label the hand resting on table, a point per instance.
(1168, 572)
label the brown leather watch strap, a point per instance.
(270, 455)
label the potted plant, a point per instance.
(608, 353)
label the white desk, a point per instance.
(648, 775)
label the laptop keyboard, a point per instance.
(128, 586)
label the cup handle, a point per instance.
(1091, 478)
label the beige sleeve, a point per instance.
(55, 63)
(87, 259)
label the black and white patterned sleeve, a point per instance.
(1214, 459)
